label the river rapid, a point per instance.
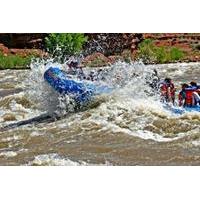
(130, 126)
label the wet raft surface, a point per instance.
(114, 132)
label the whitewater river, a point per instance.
(127, 127)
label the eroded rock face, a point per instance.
(23, 40)
(27, 52)
(21, 52)
(4, 49)
(187, 42)
(24, 44)
(95, 60)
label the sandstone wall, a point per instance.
(22, 40)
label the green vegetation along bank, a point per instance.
(14, 61)
(100, 49)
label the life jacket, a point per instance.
(189, 97)
(165, 92)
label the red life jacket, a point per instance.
(189, 97)
(166, 92)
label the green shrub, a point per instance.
(151, 53)
(14, 61)
(176, 54)
(161, 55)
(147, 50)
(59, 44)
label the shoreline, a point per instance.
(176, 63)
(150, 64)
(103, 49)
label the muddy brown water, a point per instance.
(116, 131)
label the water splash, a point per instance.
(54, 160)
(133, 107)
(129, 78)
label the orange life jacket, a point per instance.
(189, 97)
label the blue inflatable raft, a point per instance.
(81, 91)
(182, 110)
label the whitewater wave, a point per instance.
(131, 108)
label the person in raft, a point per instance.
(196, 93)
(189, 95)
(167, 90)
(75, 69)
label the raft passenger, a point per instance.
(188, 96)
(167, 90)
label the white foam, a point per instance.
(8, 139)
(8, 154)
(196, 143)
(36, 133)
(54, 160)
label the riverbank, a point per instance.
(104, 49)
(18, 58)
(93, 61)
(15, 61)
